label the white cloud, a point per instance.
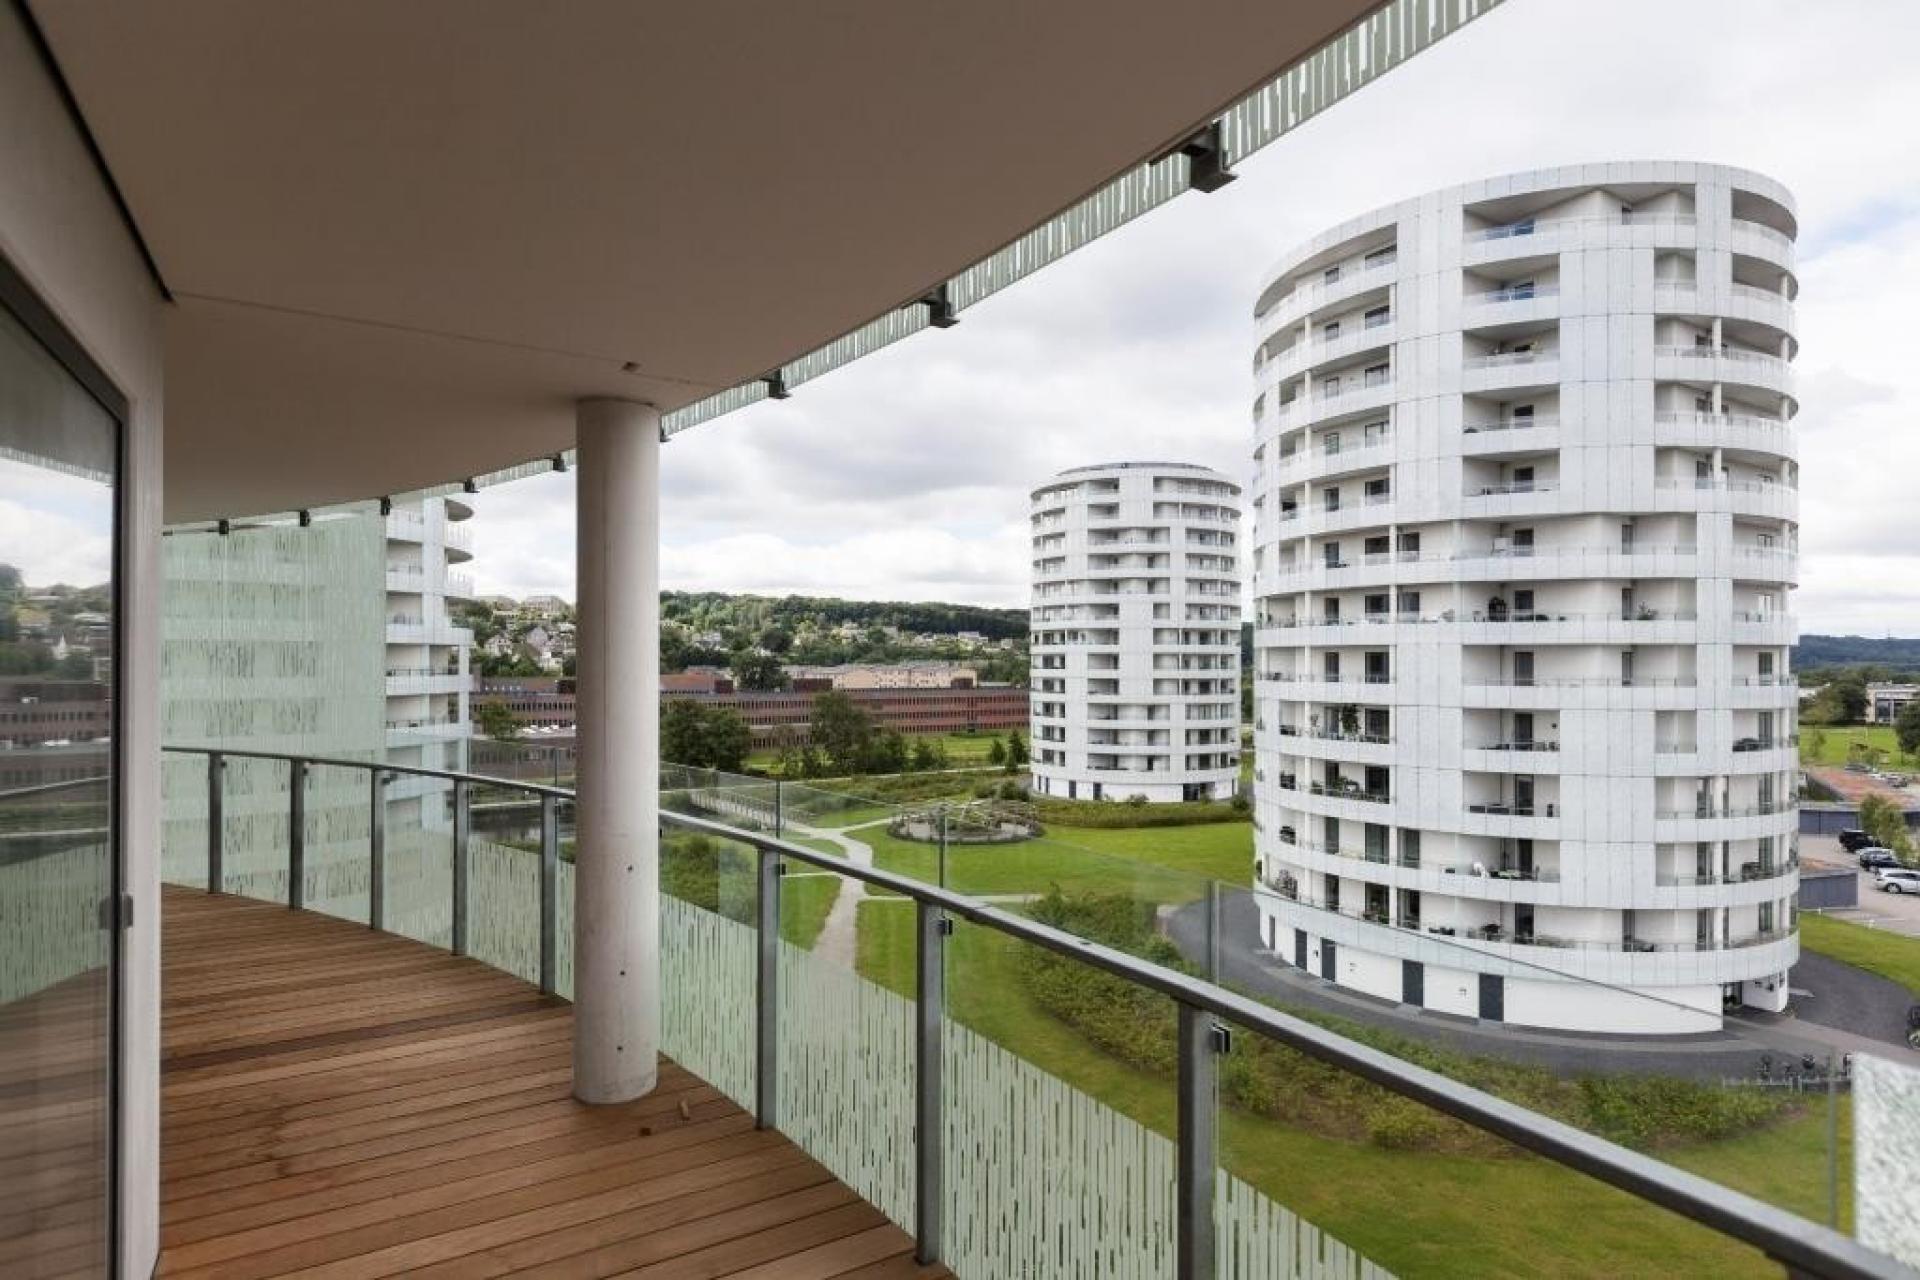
(905, 476)
(50, 546)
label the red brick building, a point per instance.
(778, 719)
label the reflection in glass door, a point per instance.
(59, 462)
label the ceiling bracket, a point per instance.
(939, 305)
(1206, 155)
(776, 384)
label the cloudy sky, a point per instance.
(905, 476)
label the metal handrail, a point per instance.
(1802, 1246)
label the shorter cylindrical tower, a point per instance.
(1136, 633)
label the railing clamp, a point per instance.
(1222, 1037)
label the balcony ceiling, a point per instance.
(402, 239)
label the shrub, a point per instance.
(1648, 1111)
(1101, 813)
(1400, 1124)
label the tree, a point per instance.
(776, 640)
(1848, 697)
(841, 730)
(753, 669)
(811, 763)
(1886, 825)
(706, 737)
(1016, 750)
(922, 759)
(996, 751)
(887, 753)
(1906, 727)
(496, 720)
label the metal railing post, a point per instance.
(1201, 1039)
(929, 1130)
(549, 893)
(942, 881)
(1213, 930)
(296, 834)
(766, 996)
(376, 849)
(462, 840)
(216, 822)
(779, 810)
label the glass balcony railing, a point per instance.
(1046, 1059)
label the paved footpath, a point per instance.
(838, 942)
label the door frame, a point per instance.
(20, 300)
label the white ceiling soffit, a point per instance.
(403, 239)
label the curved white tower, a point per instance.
(1525, 509)
(1136, 633)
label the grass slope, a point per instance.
(1833, 744)
(1888, 954)
(1416, 1213)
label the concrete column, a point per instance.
(616, 912)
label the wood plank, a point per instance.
(347, 1104)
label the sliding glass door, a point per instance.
(59, 864)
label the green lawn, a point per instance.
(1511, 1215)
(1835, 744)
(1888, 954)
(1422, 1213)
(804, 903)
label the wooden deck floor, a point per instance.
(341, 1103)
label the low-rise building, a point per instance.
(535, 701)
(1885, 701)
(884, 675)
(697, 680)
(785, 718)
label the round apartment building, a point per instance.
(1524, 524)
(1136, 633)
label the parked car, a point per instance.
(1897, 880)
(1873, 859)
(1853, 840)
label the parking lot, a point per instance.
(1899, 912)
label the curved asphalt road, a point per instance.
(1858, 1010)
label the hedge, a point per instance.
(1269, 1079)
